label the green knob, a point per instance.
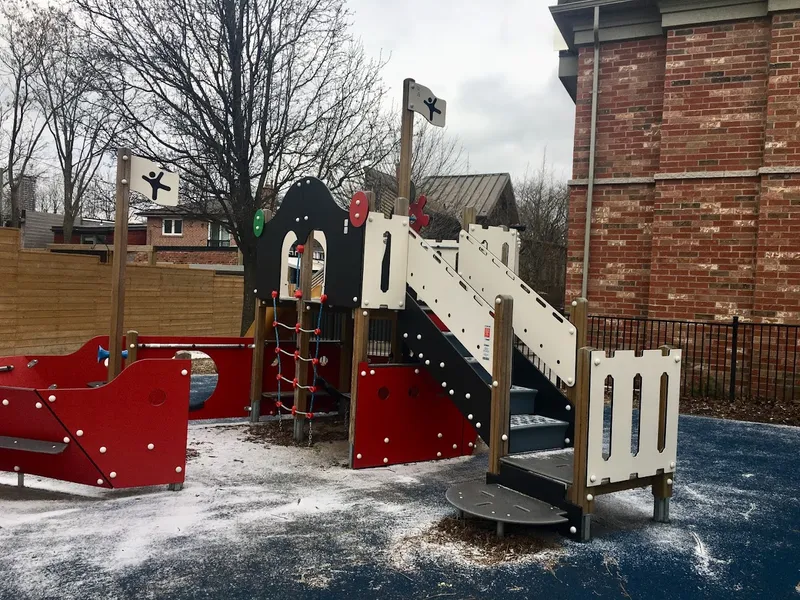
(258, 223)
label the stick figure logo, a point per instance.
(155, 183)
(431, 104)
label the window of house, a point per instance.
(172, 227)
(218, 236)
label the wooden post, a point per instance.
(503, 348)
(120, 258)
(132, 341)
(406, 139)
(257, 369)
(346, 360)
(577, 492)
(151, 257)
(304, 318)
(360, 343)
(400, 209)
(468, 217)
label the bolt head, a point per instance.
(366, 302)
(495, 384)
(572, 530)
(66, 440)
(355, 299)
(16, 469)
(124, 182)
(592, 478)
(477, 425)
(471, 445)
(427, 361)
(497, 300)
(570, 380)
(102, 449)
(385, 440)
(99, 482)
(5, 402)
(468, 396)
(596, 361)
(358, 456)
(405, 336)
(363, 373)
(574, 303)
(677, 359)
(124, 157)
(421, 355)
(469, 416)
(589, 497)
(150, 446)
(669, 481)
(385, 460)
(566, 441)
(572, 331)
(184, 372)
(455, 446)
(79, 433)
(672, 465)
(178, 469)
(365, 313)
(444, 384)
(38, 405)
(419, 336)
(51, 398)
(438, 454)
(416, 371)
(372, 371)
(439, 435)
(452, 392)
(113, 474)
(504, 437)
(568, 407)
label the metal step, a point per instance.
(28, 445)
(535, 432)
(556, 465)
(503, 505)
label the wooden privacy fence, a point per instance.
(52, 303)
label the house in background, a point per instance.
(180, 238)
(95, 237)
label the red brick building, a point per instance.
(183, 239)
(696, 182)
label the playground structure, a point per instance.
(453, 374)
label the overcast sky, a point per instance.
(495, 65)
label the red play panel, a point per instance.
(406, 406)
(129, 433)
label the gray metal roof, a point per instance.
(453, 193)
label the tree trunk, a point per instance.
(16, 216)
(70, 210)
(248, 296)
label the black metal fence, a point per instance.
(721, 359)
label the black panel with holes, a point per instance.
(420, 334)
(308, 206)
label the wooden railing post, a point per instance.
(662, 483)
(469, 217)
(502, 358)
(360, 343)
(257, 370)
(303, 338)
(400, 209)
(132, 341)
(577, 492)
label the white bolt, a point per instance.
(569, 380)
(504, 437)
(363, 373)
(495, 384)
(51, 398)
(99, 482)
(439, 435)
(178, 469)
(124, 157)
(16, 469)
(669, 481)
(566, 440)
(365, 313)
(592, 478)
(468, 396)
(255, 291)
(589, 497)
(132, 346)
(405, 336)
(366, 302)
(305, 218)
(572, 331)
(66, 440)
(441, 365)
(124, 181)
(477, 425)
(113, 474)
(438, 454)
(427, 361)
(402, 304)
(38, 405)
(5, 402)
(419, 336)
(677, 359)
(572, 530)
(150, 446)
(497, 300)
(358, 456)
(421, 355)
(672, 465)
(79, 433)
(596, 361)
(370, 219)
(444, 384)
(358, 215)
(416, 371)
(471, 444)
(385, 440)
(452, 392)
(385, 460)
(455, 446)
(102, 449)
(568, 407)
(574, 303)
(355, 299)
(469, 416)
(297, 220)
(372, 371)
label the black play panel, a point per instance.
(457, 373)
(308, 206)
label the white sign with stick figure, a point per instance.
(425, 102)
(150, 180)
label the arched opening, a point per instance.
(204, 377)
(291, 263)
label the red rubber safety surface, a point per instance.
(359, 205)
(410, 410)
(147, 404)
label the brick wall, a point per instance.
(693, 221)
(206, 257)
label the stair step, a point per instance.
(535, 432)
(497, 503)
(556, 465)
(523, 400)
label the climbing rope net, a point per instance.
(296, 356)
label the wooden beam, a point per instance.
(257, 368)
(303, 339)
(400, 209)
(360, 343)
(503, 348)
(406, 139)
(577, 491)
(120, 259)
(132, 341)
(468, 217)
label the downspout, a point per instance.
(592, 142)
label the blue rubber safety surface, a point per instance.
(256, 521)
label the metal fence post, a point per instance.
(734, 352)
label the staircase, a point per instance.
(531, 486)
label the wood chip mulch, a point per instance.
(272, 432)
(759, 411)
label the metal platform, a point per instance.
(497, 503)
(28, 445)
(555, 465)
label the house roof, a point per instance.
(454, 193)
(98, 227)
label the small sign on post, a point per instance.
(153, 182)
(423, 101)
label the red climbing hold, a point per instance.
(294, 382)
(312, 389)
(310, 415)
(274, 294)
(294, 410)
(274, 323)
(300, 248)
(359, 209)
(317, 331)
(323, 298)
(298, 293)
(278, 377)
(278, 403)
(417, 218)
(277, 350)
(297, 327)
(296, 354)
(314, 361)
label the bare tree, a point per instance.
(543, 200)
(24, 34)
(99, 200)
(49, 196)
(82, 122)
(244, 97)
